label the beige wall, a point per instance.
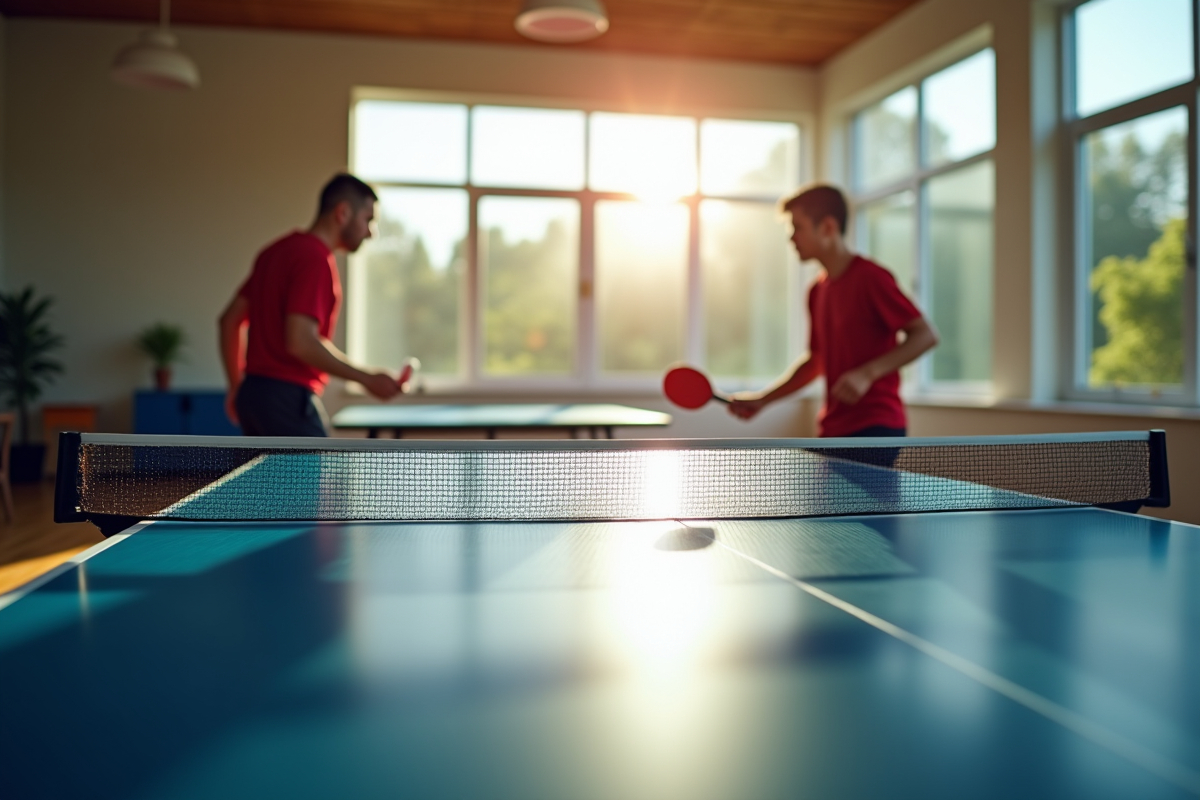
(131, 207)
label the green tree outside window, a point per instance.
(1141, 312)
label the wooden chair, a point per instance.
(8, 420)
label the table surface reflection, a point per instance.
(973, 654)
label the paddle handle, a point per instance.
(411, 365)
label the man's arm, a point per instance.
(232, 327)
(304, 341)
(806, 370)
(919, 337)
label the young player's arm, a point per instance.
(806, 370)
(232, 333)
(304, 341)
(919, 337)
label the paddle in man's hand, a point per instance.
(690, 388)
(411, 365)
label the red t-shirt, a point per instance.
(855, 318)
(294, 275)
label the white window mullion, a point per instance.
(1191, 285)
(923, 269)
(694, 317)
(472, 335)
(1191, 328)
(587, 359)
(471, 342)
(1082, 294)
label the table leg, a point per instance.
(372, 433)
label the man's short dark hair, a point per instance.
(345, 188)
(817, 203)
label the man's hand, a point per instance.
(231, 405)
(381, 384)
(746, 408)
(232, 327)
(852, 385)
(304, 342)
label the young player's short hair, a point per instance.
(819, 202)
(344, 187)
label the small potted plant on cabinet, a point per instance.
(164, 344)
(26, 367)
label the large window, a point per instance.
(535, 246)
(1130, 104)
(922, 179)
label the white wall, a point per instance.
(131, 207)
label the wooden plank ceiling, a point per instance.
(798, 32)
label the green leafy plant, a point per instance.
(163, 343)
(26, 342)
(1142, 314)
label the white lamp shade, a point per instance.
(562, 21)
(155, 62)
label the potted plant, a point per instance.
(26, 367)
(164, 344)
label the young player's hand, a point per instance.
(231, 405)
(381, 384)
(851, 386)
(745, 408)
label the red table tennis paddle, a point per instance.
(688, 387)
(411, 365)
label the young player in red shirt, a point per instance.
(275, 332)
(856, 312)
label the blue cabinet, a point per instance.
(196, 412)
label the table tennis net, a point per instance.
(201, 478)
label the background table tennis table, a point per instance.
(574, 417)
(1035, 653)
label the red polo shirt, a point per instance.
(855, 318)
(294, 275)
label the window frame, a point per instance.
(586, 378)
(918, 184)
(1075, 210)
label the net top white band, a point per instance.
(450, 445)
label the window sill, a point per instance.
(1067, 407)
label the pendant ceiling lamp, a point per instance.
(562, 21)
(154, 61)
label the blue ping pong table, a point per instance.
(575, 418)
(1046, 652)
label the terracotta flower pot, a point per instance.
(162, 378)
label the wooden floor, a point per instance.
(32, 543)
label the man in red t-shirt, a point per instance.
(275, 332)
(856, 312)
